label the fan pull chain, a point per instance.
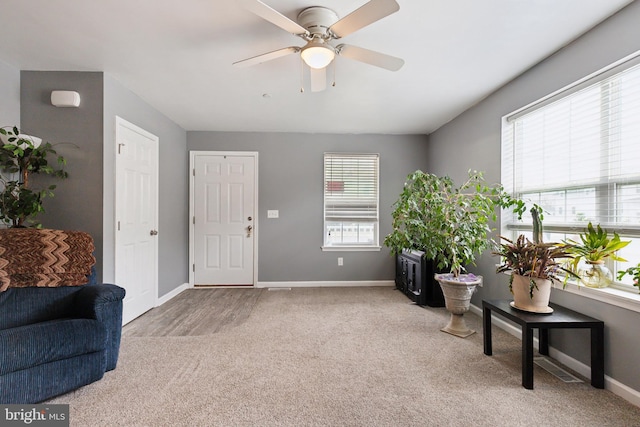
(334, 73)
(301, 75)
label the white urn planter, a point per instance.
(522, 299)
(457, 298)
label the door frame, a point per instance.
(119, 121)
(256, 228)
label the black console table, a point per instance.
(560, 318)
(414, 277)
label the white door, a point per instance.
(136, 201)
(224, 219)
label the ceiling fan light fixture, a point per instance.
(319, 27)
(317, 54)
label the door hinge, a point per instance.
(194, 268)
(194, 220)
(119, 147)
(194, 172)
(118, 225)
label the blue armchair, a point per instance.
(54, 340)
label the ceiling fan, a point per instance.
(319, 27)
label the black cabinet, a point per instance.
(414, 277)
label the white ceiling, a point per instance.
(177, 56)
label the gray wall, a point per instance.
(173, 237)
(77, 204)
(85, 201)
(291, 180)
(472, 140)
(9, 95)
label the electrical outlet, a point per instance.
(273, 214)
(340, 261)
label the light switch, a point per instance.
(273, 214)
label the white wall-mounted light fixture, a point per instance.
(65, 98)
(317, 54)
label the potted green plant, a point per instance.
(634, 272)
(533, 266)
(450, 224)
(20, 156)
(590, 253)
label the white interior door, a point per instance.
(224, 219)
(136, 242)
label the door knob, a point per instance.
(249, 228)
(153, 232)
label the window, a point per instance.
(350, 201)
(576, 153)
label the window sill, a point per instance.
(618, 297)
(351, 248)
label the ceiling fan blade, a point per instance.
(268, 13)
(318, 79)
(267, 56)
(370, 57)
(367, 14)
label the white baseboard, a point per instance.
(345, 284)
(166, 297)
(616, 387)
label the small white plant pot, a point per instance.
(522, 299)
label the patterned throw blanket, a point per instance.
(45, 258)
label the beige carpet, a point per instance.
(334, 357)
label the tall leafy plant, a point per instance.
(21, 156)
(449, 223)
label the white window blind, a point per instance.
(578, 156)
(351, 199)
